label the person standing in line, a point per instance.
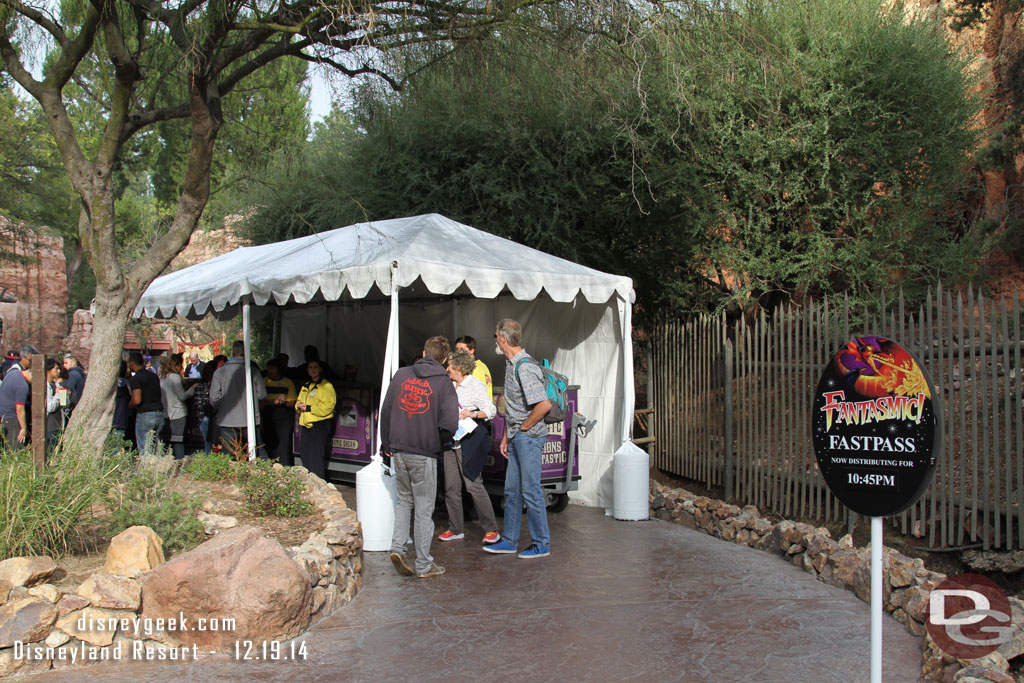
(201, 409)
(173, 396)
(420, 413)
(227, 396)
(315, 406)
(526, 404)
(480, 369)
(54, 413)
(122, 396)
(14, 399)
(194, 369)
(145, 398)
(75, 382)
(279, 412)
(464, 462)
(10, 360)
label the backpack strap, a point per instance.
(528, 359)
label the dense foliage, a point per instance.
(830, 164)
(730, 155)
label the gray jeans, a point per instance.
(453, 478)
(416, 477)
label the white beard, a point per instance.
(497, 350)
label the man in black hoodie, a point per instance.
(420, 413)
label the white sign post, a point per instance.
(876, 600)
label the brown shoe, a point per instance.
(435, 570)
(401, 566)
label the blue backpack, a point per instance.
(556, 385)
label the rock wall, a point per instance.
(33, 288)
(207, 244)
(238, 575)
(905, 586)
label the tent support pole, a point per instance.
(455, 321)
(250, 416)
(274, 349)
(390, 349)
(628, 391)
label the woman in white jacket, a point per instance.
(173, 395)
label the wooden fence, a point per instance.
(732, 408)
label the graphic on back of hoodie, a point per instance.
(414, 396)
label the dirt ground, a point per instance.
(88, 549)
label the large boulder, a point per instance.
(239, 574)
(24, 571)
(135, 550)
(26, 620)
(111, 592)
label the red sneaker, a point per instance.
(491, 537)
(449, 536)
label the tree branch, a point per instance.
(14, 66)
(147, 117)
(365, 69)
(74, 51)
(126, 75)
(38, 18)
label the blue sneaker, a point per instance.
(535, 551)
(501, 547)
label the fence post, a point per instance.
(729, 456)
(39, 410)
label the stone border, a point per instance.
(40, 614)
(905, 587)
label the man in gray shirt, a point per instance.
(227, 395)
(526, 404)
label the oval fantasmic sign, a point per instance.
(875, 427)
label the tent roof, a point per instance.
(444, 255)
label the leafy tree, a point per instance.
(518, 134)
(727, 154)
(162, 61)
(830, 162)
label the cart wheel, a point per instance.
(556, 501)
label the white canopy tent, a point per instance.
(370, 294)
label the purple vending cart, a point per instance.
(556, 477)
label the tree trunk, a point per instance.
(93, 417)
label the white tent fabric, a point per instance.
(369, 295)
(443, 254)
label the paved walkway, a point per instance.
(615, 601)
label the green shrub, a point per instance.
(210, 466)
(270, 491)
(153, 499)
(42, 510)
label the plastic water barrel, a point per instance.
(631, 483)
(376, 494)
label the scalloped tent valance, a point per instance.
(349, 262)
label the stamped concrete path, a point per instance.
(615, 601)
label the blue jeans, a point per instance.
(522, 483)
(204, 427)
(145, 423)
